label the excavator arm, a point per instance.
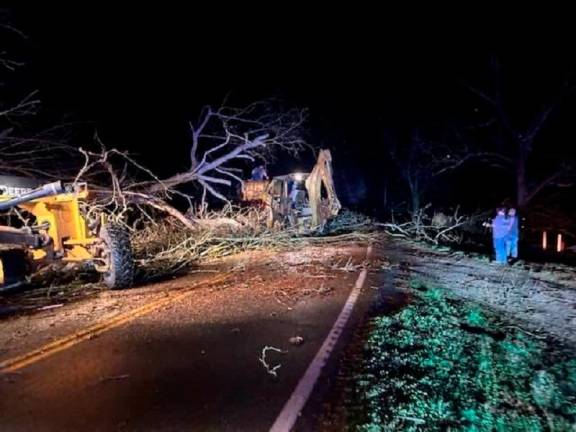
(321, 176)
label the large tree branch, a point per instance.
(498, 105)
(548, 181)
(197, 131)
(248, 145)
(536, 124)
(27, 106)
(162, 206)
(453, 163)
(212, 190)
(222, 141)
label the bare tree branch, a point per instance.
(548, 181)
(226, 136)
(523, 139)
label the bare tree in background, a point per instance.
(25, 153)
(509, 147)
(12, 110)
(421, 160)
(523, 138)
(413, 164)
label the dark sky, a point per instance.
(139, 73)
(150, 67)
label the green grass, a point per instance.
(439, 364)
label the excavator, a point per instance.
(45, 224)
(304, 201)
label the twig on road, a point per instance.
(262, 359)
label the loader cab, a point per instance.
(288, 200)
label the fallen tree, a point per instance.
(437, 228)
(223, 141)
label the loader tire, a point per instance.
(15, 266)
(121, 260)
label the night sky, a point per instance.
(138, 74)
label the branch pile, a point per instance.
(165, 247)
(436, 229)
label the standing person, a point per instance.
(293, 188)
(513, 235)
(500, 229)
(259, 173)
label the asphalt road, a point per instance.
(172, 370)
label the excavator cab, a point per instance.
(304, 201)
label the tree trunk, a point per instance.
(415, 197)
(521, 176)
(415, 203)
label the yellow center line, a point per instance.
(21, 361)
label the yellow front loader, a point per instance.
(53, 228)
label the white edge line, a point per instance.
(291, 410)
